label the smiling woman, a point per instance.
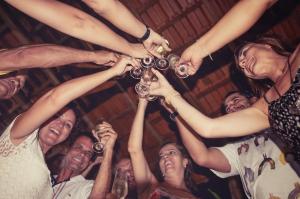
(26, 140)
(174, 165)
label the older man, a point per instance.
(70, 183)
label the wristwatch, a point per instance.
(145, 36)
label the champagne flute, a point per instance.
(120, 185)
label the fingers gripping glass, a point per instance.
(98, 147)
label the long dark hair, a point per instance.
(189, 182)
(260, 86)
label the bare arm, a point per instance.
(60, 96)
(211, 158)
(102, 181)
(237, 21)
(247, 121)
(142, 173)
(108, 10)
(76, 23)
(50, 55)
(114, 10)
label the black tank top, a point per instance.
(284, 117)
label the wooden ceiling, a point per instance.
(181, 22)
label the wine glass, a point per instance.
(136, 72)
(98, 147)
(142, 89)
(181, 70)
(120, 185)
(162, 64)
(147, 62)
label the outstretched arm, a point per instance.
(210, 158)
(102, 182)
(114, 10)
(142, 173)
(237, 21)
(57, 98)
(247, 121)
(77, 23)
(50, 55)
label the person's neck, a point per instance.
(65, 174)
(45, 148)
(176, 182)
(281, 68)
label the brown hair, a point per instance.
(260, 86)
(189, 182)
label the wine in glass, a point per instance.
(120, 185)
(181, 70)
(98, 147)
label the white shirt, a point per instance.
(277, 179)
(76, 188)
(23, 171)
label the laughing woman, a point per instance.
(278, 109)
(174, 165)
(23, 171)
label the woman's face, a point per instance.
(171, 161)
(58, 128)
(256, 60)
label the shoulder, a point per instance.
(295, 57)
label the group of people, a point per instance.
(267, 161)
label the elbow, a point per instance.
(100, 6)
(133, 149)
(55, 98)
(200, 159)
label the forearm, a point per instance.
(136, 133)
(55, 100)
(44, 56)
(72, 21)
(102, 181)
(108, 10)
(196, 148)
(233, 24)
(231, 125)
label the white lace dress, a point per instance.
(23, 171)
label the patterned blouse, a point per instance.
(284, 117)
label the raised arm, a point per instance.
(102, 182)
(114, 10)
(57, 98)
(50, 55)
(247, 121)
(211, 158)
(77, 23)
(237, 21)
(142, 173)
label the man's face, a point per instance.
(236, 102)
(9, 86)
(79, 155)
(124, 165)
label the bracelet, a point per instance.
(145, 36)
(170, 96)
(173, 115)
